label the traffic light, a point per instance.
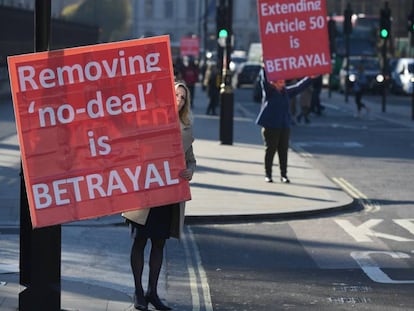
(385, 22)
(348, 20)
(223, 26)
(223, 33)
(222, 21)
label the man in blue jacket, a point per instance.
(275, 119)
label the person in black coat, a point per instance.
(275, 119)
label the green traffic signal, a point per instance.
(384, 33)
(223, 33)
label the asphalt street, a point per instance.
(228, 185)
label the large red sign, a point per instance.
(98, 129)
(294, 37)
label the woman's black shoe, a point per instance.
(156, 302)
(140, 304)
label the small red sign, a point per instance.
(294, 37)
(190, 46)
(98, 129)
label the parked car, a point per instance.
(248, 74)
(237, 59)
(372, 69)
(402, 76)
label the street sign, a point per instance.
(190, 46)
(98, 129)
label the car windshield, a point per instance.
(367, 63)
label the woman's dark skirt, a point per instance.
(158, 225)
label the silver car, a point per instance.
(402, 76)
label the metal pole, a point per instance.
(410, 45)
(204, 58)
(384, 72)
(347, 66)
(40, 249)
(226, 88)
(412, 103)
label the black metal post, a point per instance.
(412, 104)
(205, 33)
(411, 35)
(385, 74)
(40, 249)
(385, 34)
(226, 88)
(347, 31)
(347, 67)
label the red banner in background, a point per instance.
(294, 37)
(190, 46)
(98, 129)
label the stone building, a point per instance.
(180, 18)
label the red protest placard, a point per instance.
(294, 37)
(189, 46)
(98, 129)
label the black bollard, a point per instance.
(226, 115)
(40, 249)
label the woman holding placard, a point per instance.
(160, 223)
(275, 119)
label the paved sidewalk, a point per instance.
(229, 184)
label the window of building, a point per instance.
(253, 10)
(169, 9)
(191, 10)
(149, 9)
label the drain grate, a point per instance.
(348, 300)
(352, 289)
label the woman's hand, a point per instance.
(187, 174)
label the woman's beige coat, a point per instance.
(177, 220)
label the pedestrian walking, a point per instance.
(160, 223)
(275, 119)
(305, 105)
(293, 103)
(213, 90)
(189, 75)
(316, 105)
(178, 67)
(359, 87)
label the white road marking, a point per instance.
(371, 269)
(192, 275)
(407, 224)
(191, 251)
(364, 231)
(330, 144)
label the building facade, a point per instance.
(180, 18)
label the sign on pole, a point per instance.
(294, 37)
(190, 46)
(98, 129)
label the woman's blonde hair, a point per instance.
(184, 114)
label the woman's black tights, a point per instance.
(155, 263)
